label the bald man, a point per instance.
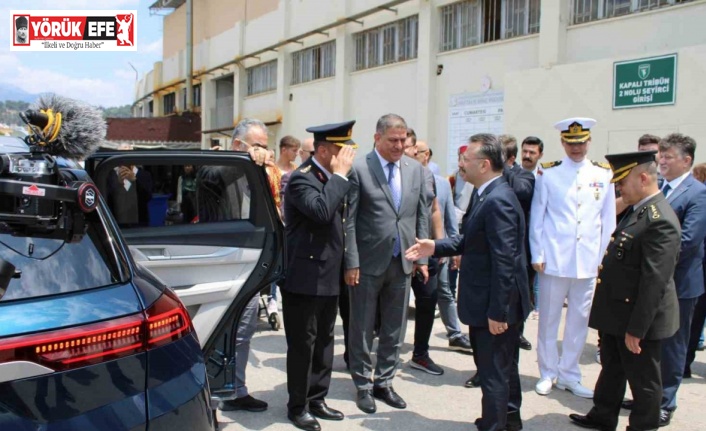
(307, 149)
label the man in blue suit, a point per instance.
(493, 291)
(687, 196)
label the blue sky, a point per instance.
(100, 78)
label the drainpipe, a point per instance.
(189, 55)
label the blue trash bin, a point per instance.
(157, 209)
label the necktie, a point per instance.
(396, 198)
(666, 190)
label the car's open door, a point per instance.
(206, 224)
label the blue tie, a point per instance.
(396, 198)
(666, 190)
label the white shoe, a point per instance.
(575, 388)
(544, 386)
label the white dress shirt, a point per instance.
(386, 170)
(676, 182)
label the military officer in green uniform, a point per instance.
(315, 204)
(635, 304)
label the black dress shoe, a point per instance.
(587, 422)
(365, 401)
(627, 404)
(524, 343)
(665, 417)
(514, 421)
(687, 373)
(304, 421)
(243, 403)
(390, 397)
(473, 382)
(322, 411)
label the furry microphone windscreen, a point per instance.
(83, 128)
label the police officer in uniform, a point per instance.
(315, 205)
(571, 219)
(635, 304)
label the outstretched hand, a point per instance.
(421, 248)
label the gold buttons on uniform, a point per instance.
(612, 238)
(600, 267)
(627, 299)
(311, 257)
(606, 253)
(598, 281)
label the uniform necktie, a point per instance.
(396, 198)
(666, 190)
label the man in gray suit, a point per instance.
(388, 209)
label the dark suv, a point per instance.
(91, 337)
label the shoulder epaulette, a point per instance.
(601, 165)
(548, 165)
(654, 212)
(305, 169)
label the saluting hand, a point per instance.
(632, 343)
(422, 248)
(341, 164)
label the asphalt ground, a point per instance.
(438, 403)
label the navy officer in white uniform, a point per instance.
(571, 220)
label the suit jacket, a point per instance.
(130, 206)
(689, 203)
(522, 183)
(493, 276)
(373, 223)
(635, 286)
(314, 209)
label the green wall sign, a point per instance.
(645, 82)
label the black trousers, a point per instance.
(621, 366)
(425, 298)
(496, 357)
(308, 328)
(344, 309)
(697, 327)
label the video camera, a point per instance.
(44, 201)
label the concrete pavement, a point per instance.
(437, 402)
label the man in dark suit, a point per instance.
(388, 210)
(493, 291)
(635, 304)
(315, 202)
(687, 196)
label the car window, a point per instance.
(176, 194)
(53, 266)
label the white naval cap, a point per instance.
(575, 130)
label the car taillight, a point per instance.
(165, 321)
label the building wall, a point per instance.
(566, 70)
